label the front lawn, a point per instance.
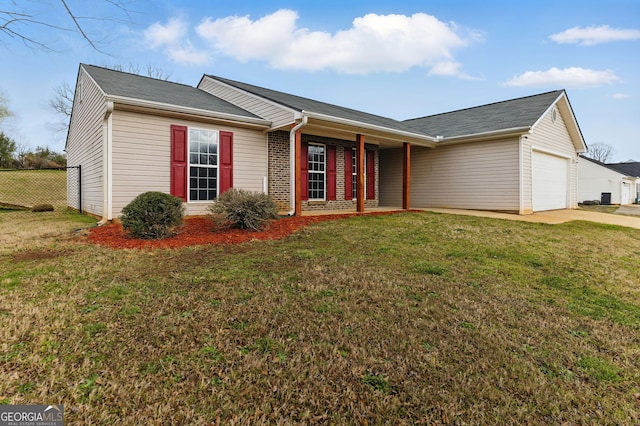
(412, 318)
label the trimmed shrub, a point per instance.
(152, 215)
(244, 209)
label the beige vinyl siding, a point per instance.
(141, 157)
(390, 182)
(85, 144)
(279, 116)
(551, 137)
(527, 176)
(480, 175)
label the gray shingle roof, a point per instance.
(118, 83)
(299, 103)
(514, 113)
(630, 168)
(607, 166)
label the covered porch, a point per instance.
(372, 210)
(340, 173)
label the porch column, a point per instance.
(298, 173)
(360, 173)
(406, 175)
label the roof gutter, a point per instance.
(292, 163)
(514, 131)
(188, 110)
(428, 140)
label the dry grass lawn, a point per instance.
(414, 318)
(32, 187)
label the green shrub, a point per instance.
(244, 209)
(152, 215)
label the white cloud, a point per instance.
(158, 35)
(450, 69)
(573, 77)
(595, 35)
(618, 96)
(172, 39)
(374, 43)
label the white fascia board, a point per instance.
(515, 131)
(547, 110)
(401, 133)
(81, 70)
(187, 110)
(573, 121)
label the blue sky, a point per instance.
(401, 59)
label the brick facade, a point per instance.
(279, 176)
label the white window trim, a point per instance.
(189, 164)
(354, 173)
(324, 172)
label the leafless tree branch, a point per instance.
(78, 26)
(601, 152)
(15, 23)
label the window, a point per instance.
(317, 171)
(354, 173)
(203, 165)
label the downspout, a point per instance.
(521, 173)
(292, 164)
(107, 165)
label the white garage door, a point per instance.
(549, 186)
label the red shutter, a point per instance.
(226, 161)
(348, 174)
(179, 161)
(304, 168)
(371, 175)
(331, 172)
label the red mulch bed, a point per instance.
(200, 231)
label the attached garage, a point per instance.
(518, 156)
(550, 181)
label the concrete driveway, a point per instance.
(558, 216)
(631, 209)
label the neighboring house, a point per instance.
(133, 134)
(601, 182)
(632, 169)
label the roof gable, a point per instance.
(306, 105)
(132, 86)
(520, 113)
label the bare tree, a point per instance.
(601, 152)
(5, 112)
(62, 100)
(148, 70)
(22, 149)
(17, 18)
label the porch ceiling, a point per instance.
(377, 136)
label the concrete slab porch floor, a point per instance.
(550, 217)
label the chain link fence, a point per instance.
(27, 190)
